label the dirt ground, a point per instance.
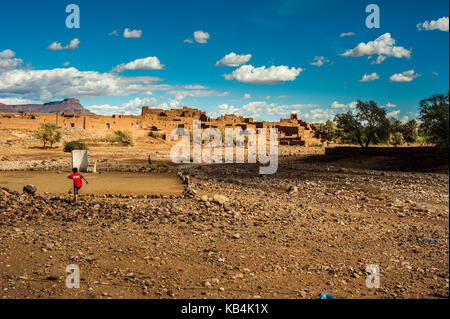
(312, 227)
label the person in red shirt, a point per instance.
(77, 182)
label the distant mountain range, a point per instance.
(65, 106)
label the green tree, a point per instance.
(367, 124)
(320, 130)
(74, 145)
(396, 138)
(124, 138)
(349, 128)
(49, 133)
(410, 131)
(396, 132)
(395, 125)
(327, 131)
(434, 118)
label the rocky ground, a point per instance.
(313, 227)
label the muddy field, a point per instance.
(312, 227)
(114, 183)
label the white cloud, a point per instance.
(440, 24)
(227, 109)
(404, 119)
(132, 107)
(115, 33)
(389, 104)
(383, 46)
(194, 87)
(261, 75)
(379, 59)
(170, 104)
(223, 109)
(188, 41)
(406, 76)
(257, 109)
(260, 109)
(66, 63)
(234, 59)
(179, 95)
(247, 96)
(286, 109)
(347, 34)
(138, 103)
(7, 54)
(15, 101)
(337, 105)
(45, 95)
(435, 73)
(127, 33)
(105, 109)
(160, 87)
(319, 61)
(254, 109)
(369, 77)
(393, 114)
(56, 46)
(45, 85)
(201, 37)
(149, 63)
(7, 60)
(70, 82)
(317, 115)
(321, 115)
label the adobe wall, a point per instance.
(293, 131)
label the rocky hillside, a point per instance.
(67, 106)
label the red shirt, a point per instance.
(76, 179)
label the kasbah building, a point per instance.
(161, 122)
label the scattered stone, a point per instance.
(220, 199)
(293, 189)
(29, 189)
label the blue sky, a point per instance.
(274, 70)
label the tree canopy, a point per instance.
(434, 118)
(49, 133)
(364, 125)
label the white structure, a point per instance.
(80, 160)
(92, 167)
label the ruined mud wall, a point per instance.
(158, 120)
